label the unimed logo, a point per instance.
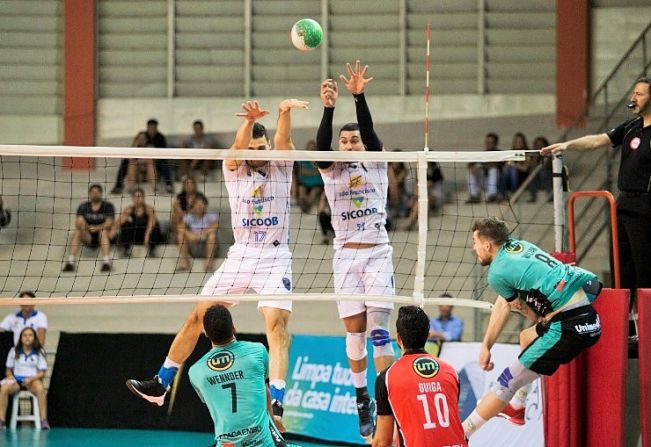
(426, 367)
(221, 361)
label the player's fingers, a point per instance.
(366, 81)
(343, 78)
(357, 65)
(364, 70)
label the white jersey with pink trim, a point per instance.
(357, 194)
(259, 200)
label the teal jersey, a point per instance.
(230, 380)
(522, 270)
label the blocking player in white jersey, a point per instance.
(259, 194)
(362, 263)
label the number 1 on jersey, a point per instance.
(441, 407)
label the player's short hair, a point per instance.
(96, 186)
(413, 327)
(218, 324)
(152, 122)
(27, 293)
(349, 127)
(259, 131)
(492, 228)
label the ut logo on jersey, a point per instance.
(355, 181)
(513, 248)
(221, 361)
(357, 201)
(426, 367)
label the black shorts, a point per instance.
(94, 240)
(561, 339)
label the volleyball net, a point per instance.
(428, 221)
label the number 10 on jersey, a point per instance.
(440, 407)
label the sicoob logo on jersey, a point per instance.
(513, 248)
(221, 361)
(426, 367)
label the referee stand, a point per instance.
(585, 400)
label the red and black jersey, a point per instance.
(421, 392)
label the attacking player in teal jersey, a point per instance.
(557, 296)
(230, 380)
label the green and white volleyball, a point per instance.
(306, 34)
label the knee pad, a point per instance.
(511, 380)
(378, 321)
(356, 345)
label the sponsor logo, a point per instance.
(257, 209)
(513, 248)
(356, 214)
(588, 327)
(635, 143)
(426, 367)
(260, 222)
(357, 201)
(355, 181)
(221, 361)
(287, 283)
(257, 192)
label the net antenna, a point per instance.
(428, 36)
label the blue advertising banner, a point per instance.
(320, 398)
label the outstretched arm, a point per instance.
(356, 84)
(283, 136)
(586, 143)
(251, 113)
(329, 94)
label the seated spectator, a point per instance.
(445, 327)
(138, 225)
(140, 166)
(27, 316)
(197, 235)
(95, 227)
(309, 181)
(544, 178)
(5, 215)
(26, 366)
(325, 220)
(485, 176)
(399, 197)
(515, 172)
(435, 197)
(183, 202)
(198, 140)
(153, 139)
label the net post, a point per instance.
(559, 203)
(421, 184)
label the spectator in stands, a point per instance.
(309, 181)
(325, 220)
(138, 225)
(27, 316)
(197, 235)
(5, 215)
(486, 176)
(140, 166)
(445, 327)
(434, 192)
(544, 177)
(183, 202)
(515, 172)
(399, 197)
(198, 140)
(95, 227)
(153, 139)
(26, 365)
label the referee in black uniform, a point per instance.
(634, 183)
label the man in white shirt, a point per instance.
(27, 316)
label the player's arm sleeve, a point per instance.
(324, 135)
(382, 395)
(616, 134)
(196, 389)
(369, 137)
(42, 363)
(11, 359)
(501, 286)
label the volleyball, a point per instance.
(306, 34)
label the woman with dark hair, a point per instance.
(26, 366)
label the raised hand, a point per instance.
(357, 81)
(252, 111)
(329, 93)
(293, 103)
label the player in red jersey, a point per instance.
(419, 392)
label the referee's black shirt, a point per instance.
(635, 166)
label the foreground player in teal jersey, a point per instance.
(230, 380)
(557, 296)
